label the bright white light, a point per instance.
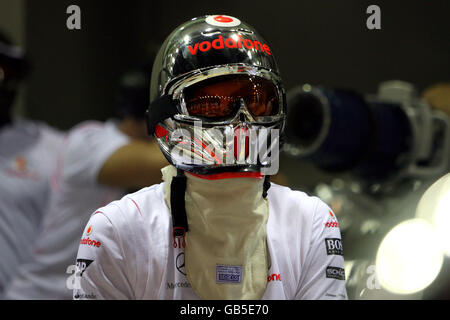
(434, 206)
(409, 257)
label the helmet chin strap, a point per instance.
(177, 203)
(266, 186)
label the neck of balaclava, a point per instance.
(216, 202)
(226, 221)
(220, 191)
(224, 196)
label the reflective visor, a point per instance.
(220, 97)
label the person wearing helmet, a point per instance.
(215, 228)
(101, 162)
(28, 153)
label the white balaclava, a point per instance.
(226, 253)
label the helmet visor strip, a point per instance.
(219, 98)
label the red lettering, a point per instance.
(194, 50)
(89, 242)
(331, 224)
(218, 43)
(233, 43)
(256, 43)
(248, 44)
(205, 46)
(274, 277)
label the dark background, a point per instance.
(319, 42)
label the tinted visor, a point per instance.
(219, 98)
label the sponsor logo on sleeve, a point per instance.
(332, 222)
(334, 246)
(89, 242)
(82, 265)
(89, 231)
(76, 272)
(335, 273)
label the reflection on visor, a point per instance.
(221, 97)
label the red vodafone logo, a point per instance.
(223, 21)
(232, 42)
(333, 223)
(89, 242)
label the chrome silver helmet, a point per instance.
(217, 100)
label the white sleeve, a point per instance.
(323, 275)
(87, 149)
(101, 271)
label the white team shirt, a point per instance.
(77, 194)
(28, 156)
(126, 250)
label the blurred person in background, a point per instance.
(28, 155)
(100, 162)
